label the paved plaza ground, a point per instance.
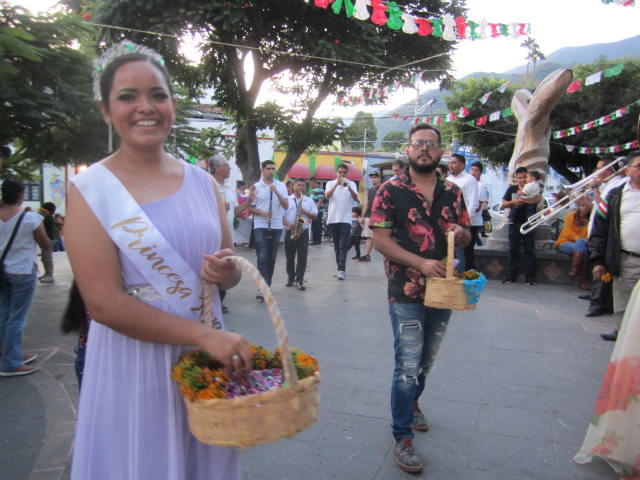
(510, 395)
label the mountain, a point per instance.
(564, 57)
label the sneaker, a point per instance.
(406, 456)
(419, 420)
(508, 280)
(531, 282)
(301, 286)
(356, 258)
(23, 370)
(336, 274)
(366, 258)
(259, 296)
(225, 309)
(28, 358)
(340, 275)
(289, 283)
(46, 279)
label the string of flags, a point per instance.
(448, 27)
(599, 150)
(568, 132)
(624, 3)
(595, 78)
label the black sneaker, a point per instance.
(406, 456)
(301, 286)
(289, 283)
(531, 282)
(508, 280)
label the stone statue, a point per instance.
(531, 149)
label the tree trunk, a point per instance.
(558, 161)
(292, 156)
(247, 156)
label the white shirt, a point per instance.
(263, 193)
(22, 255)
(340, 203)
(228, 196)
(483, 192)
(469, 186)
(630, 219)
(530, 190)
(307, 204)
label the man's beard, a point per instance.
(423, 168)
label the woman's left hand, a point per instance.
(216, 269)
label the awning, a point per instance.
(325, 172)
(299, 170)
(354, 173)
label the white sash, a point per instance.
(135, 235)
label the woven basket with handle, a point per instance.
(447, 292)
(251, 420)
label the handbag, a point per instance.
(3, 275)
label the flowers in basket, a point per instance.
(473, 283)
(202, 377)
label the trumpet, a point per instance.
(573, 192)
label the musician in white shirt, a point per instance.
(268, 208)
(301, 212)
(342, 195)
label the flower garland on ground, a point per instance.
(202, 377)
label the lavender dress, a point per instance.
(132, 423)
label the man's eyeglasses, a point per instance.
(424, 143)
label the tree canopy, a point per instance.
(494, 141)
(308, 52)
(362, 128)
(394, 140)
(46, 109)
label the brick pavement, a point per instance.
(510, 395)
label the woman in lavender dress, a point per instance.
(131, 421)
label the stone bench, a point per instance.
(551, 266)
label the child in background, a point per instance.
(356, 232)
(532, 187)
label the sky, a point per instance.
(554, 24)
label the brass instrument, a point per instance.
(573, 192)
(300, 221)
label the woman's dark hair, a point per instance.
(106, 79)
(11, 189)
(75, 314)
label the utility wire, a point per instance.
(281, 52)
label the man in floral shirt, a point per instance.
(410, 217)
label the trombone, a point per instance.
(573, 192)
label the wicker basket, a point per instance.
(447, 292)
(251, 420)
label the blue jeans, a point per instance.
(580, 245)
(15, 298)
(340, 233)
(417, 334)
(528, 244)
(266, 251)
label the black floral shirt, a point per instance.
(418, 226)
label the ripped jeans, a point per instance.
(417, 333)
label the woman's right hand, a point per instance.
(229, 348)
